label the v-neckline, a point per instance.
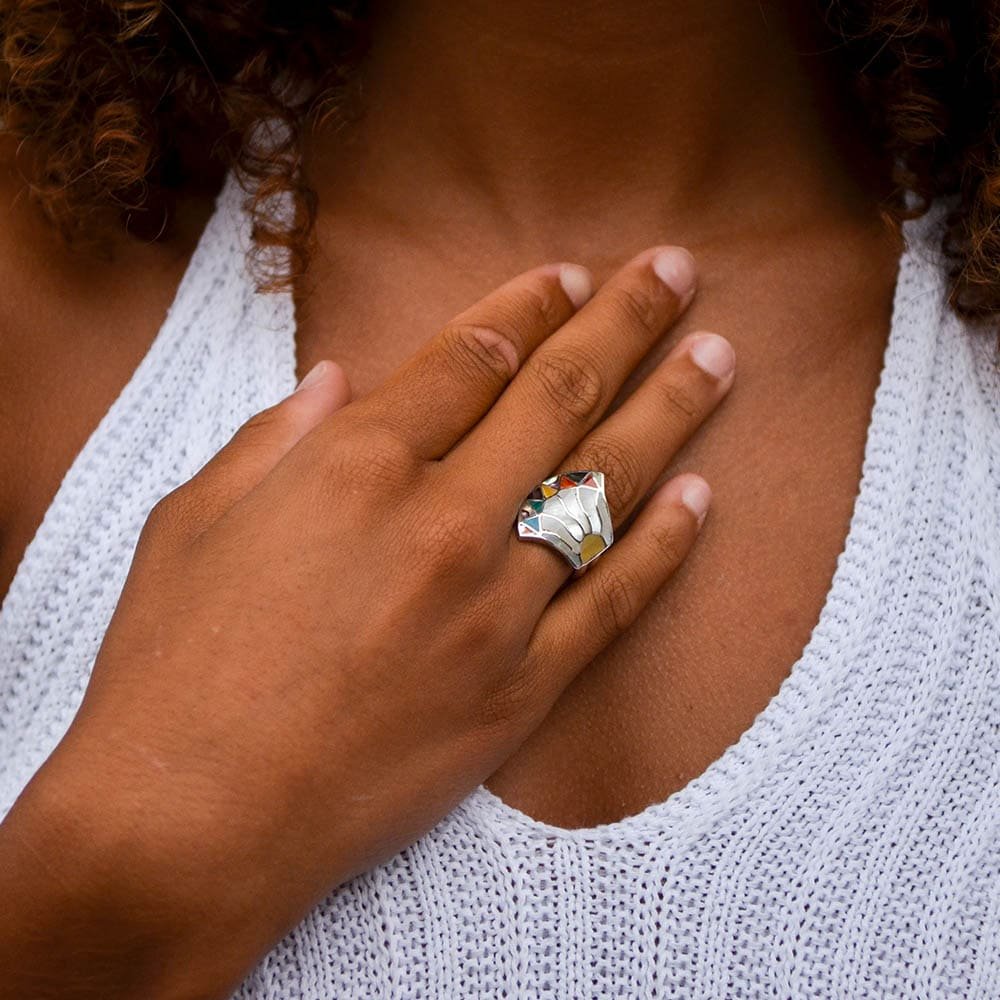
(741, 765)
(732, 777)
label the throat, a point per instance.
(709, 117)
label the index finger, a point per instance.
(566, 385)
(435, 397)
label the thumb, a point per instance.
(256, 448)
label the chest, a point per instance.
(783, 455)
(862, 813)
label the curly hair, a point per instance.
(110, 100)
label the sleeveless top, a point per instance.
(848, 845)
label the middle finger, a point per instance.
(566, 385)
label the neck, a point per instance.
(534, 118)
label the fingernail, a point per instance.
(576, 283)
(675, 267)
(314, 375)
(696, 496)
(714, 355)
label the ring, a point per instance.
(568, 511)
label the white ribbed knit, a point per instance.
(847, 846)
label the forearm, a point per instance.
(78, 920)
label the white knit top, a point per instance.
(847, 846)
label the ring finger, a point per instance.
(633, 446)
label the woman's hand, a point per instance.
(332, 634)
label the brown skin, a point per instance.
(693, 122)
(796, 269)
(377, 706)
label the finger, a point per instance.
(565, 386)
(604, 602)
(443, 391)
(257, 447)
(634, 445)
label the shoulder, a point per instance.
(44, 278)
(72, 319)
(74, 325)
(74, 311)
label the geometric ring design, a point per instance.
(568, 511)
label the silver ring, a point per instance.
(568, 511)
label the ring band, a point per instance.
(568, 511)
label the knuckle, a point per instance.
(253, 425)
(616, 597)
(371, 460)
(635, 307)
(258, 432)
(452, 542)
(678, 402)
(671, 544)
(570, 384)
(383, 463)
(622, 470)
(160, 515)
(509, 685)
(172, 516)
(513, 697)
(520, 314)
(478, 349)
(539, 307)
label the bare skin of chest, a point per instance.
(783, 455)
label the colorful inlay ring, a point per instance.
(568, 511)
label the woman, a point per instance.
(346, 733)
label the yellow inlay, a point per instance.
(548, 491)
(592, 545)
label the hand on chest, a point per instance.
(783, 455)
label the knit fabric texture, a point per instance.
(848, 845)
